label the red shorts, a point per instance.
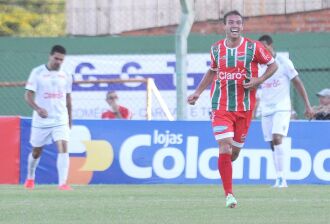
(231, 124)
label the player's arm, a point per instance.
(255, 82)
(29, 98)
(299, 86)
(69, 107)
(206, 81)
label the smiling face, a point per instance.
(233, 27)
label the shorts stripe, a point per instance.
(238, 145)
(224, 135)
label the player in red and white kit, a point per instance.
(275, 105)
(234, 77)
(48, 93)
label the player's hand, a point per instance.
(115, 107)
(252, 83)
(42, 112)
(192, 98)
(309, 113)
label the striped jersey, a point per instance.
(234, 66)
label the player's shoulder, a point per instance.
(252, 41)
(39, 69)
(284, 60)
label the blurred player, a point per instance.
(48, 92)
(116, 111)
(234, 77)
(275, 105)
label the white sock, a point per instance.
(63, 162)
(32, 166)
(279, 157)
(275, 163)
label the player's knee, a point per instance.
(36, 153)
(225, 147)
(277, 142)
(277, 139)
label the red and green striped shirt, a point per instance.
(233, 67)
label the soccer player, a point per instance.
(234, 77)
(116, 111)
(48, 93)
(275, 105)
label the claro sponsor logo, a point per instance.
(58, 95)
(231, 76)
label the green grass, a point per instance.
(164, 204)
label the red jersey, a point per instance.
(125, 113)
(234, 66)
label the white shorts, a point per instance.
(44, 136)
(276, 123)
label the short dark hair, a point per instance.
(59, 49)
(266, 38)
(230, 13)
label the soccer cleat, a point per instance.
(65, 187)
(230, 201)
(280, 183)
(29, 184)
(277, 182)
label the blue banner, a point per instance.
(143, 152)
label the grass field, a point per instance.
(164, 204)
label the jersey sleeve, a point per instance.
(290, 70)
(31, 83)
(262, 55)
(214, 58)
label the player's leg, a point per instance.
(241, 125)
(280, 129)
(61, 137)
(38, 138)
(267, 127)
(223, 132)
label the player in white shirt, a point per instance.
(275, 105)
(48, 93)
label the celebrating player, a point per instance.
(48, 92)
(234, 77)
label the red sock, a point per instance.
(226, 172)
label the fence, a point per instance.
(147, 57)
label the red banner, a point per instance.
(9, 150)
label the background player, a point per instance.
(275, 104)
(48, 93)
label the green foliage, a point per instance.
(32, 18)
